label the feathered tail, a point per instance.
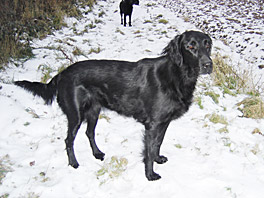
(46, 91)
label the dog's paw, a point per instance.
(99, 156)
(153, 176)
(74, 164)
(161, 159)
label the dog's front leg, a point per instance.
(149, 156)
(154, 136)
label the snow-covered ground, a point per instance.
(238, 24)
(204, 161)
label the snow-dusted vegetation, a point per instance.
(214, 150)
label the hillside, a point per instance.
(214, 150)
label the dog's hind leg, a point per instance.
(129, 23)
(69, 99)
(125, 19)
(73, 126)
(121, 14)
(92, 117)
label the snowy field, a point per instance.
(206, 159)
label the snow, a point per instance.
(202, 161)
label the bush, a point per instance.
(21, 21)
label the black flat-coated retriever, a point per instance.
(154, 91)
(126, 8)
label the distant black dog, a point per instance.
(154, 91)
(126, 8)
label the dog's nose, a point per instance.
(207, 67)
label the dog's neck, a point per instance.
(178, 79)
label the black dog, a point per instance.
(154, 91)
(126, 8)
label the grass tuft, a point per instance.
(112, 169)
(95, 50)
(215, 118)
(232, 81)
(163, 21)
(46, 71)
(4, 167)
(252, 107)
(103, 116)
(213, 95)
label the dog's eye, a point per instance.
(191, 47)
(207, 45)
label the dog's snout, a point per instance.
(208, 64)
(207, 67)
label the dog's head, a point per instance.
(135, 2)
(132, 2)
(192, 48)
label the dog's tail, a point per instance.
(45, 91)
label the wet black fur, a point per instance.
(154, 91)
(126, 9)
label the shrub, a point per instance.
(21, 21)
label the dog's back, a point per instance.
(125, 7)
(121, 86)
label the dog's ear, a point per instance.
(173, 50)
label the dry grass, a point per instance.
(235, 82)
(111, 170)
(231, 80)
(4, 167)
(21, 21)
(252, 107)
(216, 118)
